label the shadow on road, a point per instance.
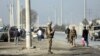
(12, 55)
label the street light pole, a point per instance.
(38, 20)
(55, 15)
(18, 14)
(11, 13)
(84, 9)
(61, 11)
(28, 25)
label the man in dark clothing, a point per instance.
(67, 32)
(85, 35)
(43, 30)
(22, 33)
(17, 35)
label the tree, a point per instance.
(33, 17)
(59, 28)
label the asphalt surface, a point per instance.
(59, 48)
(62, 37)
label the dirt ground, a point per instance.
(59, 48)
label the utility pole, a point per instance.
(11, 13)
(61, 11)
(11, 17)
(59, 21)
(55, 16)
(85, 9)
(38, 20)
(18, 14)
(28, 25)
(21, 20)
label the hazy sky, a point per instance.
(72, 10)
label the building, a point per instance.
(1, 23)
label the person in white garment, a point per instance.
(39, 33)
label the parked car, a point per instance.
(95, 32)
(4, 33)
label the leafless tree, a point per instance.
(33, 17)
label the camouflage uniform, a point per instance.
(73, 36)
(50, 34)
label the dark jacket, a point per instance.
(67, 31)
(85, 33)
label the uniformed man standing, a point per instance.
(50, 34)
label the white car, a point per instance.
(95, 32)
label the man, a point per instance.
(73, 36)
(50, 34)
(67, 31)
(17, 35)
(85, 35)
(39, 33)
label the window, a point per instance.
(97, 28)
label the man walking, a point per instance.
(73, 36)
(50, 34)
(67, 32)
(85, 35)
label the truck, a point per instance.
(95, 32)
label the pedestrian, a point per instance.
(73, 36)
(67, 32)
(22, 33)
(39, 33)
(50, 35)
(17, 34)
(85, 35)
(43, 31)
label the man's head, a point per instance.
(67, 27)
(50, 23)
(73, 27)
(84, 27)
(40, 27)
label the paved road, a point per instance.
(62, 37)
(58, 48)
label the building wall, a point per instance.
(1, 22)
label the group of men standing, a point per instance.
(16, 34)
(72, 35)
